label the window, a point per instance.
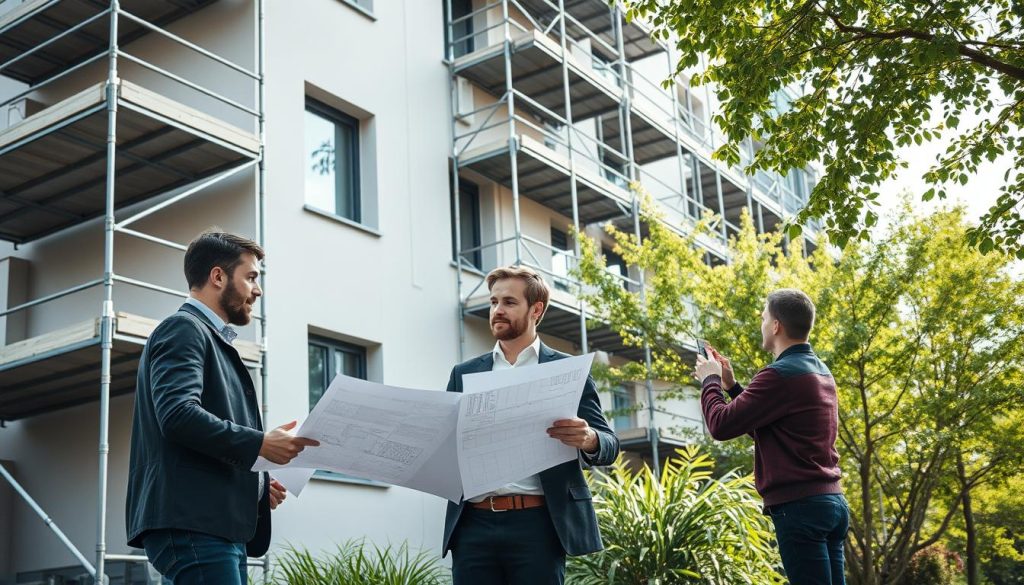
(606, 68)
(623, 409)
(332, 169)
(616, 265)
(560, 258)
(462, 28)
(327, 359)
(614, 169)
(469, 225)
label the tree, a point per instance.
(845, 83)
(923, 333)
(927, 346)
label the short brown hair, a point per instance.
(794, 310)
(216, 248)
(536, 289)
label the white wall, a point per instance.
(392, 288)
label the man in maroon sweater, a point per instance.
(790, 409)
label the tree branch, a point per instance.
(963, 48)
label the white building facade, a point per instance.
(406, 148)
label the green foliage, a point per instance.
(846, 83)
(356, 563)
(923, 333)
(999, 511)
(932, 566)
(687, 528)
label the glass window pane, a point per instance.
(348, 363)
(462, 27)
(622, 405)
(317, 365)
(469, 224)
(320, 162)
(560, 261)
(346, 205)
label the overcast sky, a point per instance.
(979, 194)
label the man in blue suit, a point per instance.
(193, 504)
(521, 533)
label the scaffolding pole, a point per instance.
(456, 195)
(513, 146)
(573, 190)
(107, 319)
(652, 428)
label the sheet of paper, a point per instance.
(294, 479)
(395, 435)
(504, 417)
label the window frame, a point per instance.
(339, 120)
(470, 190)
(330, 345)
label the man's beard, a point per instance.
(234, 304)
(513, 329)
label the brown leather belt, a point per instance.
(509, 502)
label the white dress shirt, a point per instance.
(530, 356)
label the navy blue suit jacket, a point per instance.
(565, 490)
(195, 436)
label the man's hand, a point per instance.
(728, 380)
(706, 367)
(277, 493)
(575, 432)
(281, 445)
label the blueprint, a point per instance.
(443, 443)
(504, 417)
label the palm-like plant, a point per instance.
(356, 563)
(687, 528)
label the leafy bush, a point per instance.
(356, 563)
(934, 565)
(689, 528)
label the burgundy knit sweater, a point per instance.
(791, 411)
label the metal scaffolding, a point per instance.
(572, 121)
(114, 145)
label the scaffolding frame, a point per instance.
(249, 160)
(692, 138)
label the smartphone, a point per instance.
(702, 347)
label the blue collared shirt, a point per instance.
(217, 322)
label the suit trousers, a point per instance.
(516, 547)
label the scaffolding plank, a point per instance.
(53, 173)
(35, 22)
(80, 102)
(61, 369)
(42, 344)
(188, 116)
(537, 73)
(544, 177)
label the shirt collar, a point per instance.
(207, 312)
(797, 348)
(535, 346)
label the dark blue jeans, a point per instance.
(193, 558)
(811, 532)
(517, 547)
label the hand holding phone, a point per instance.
(702, 347)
